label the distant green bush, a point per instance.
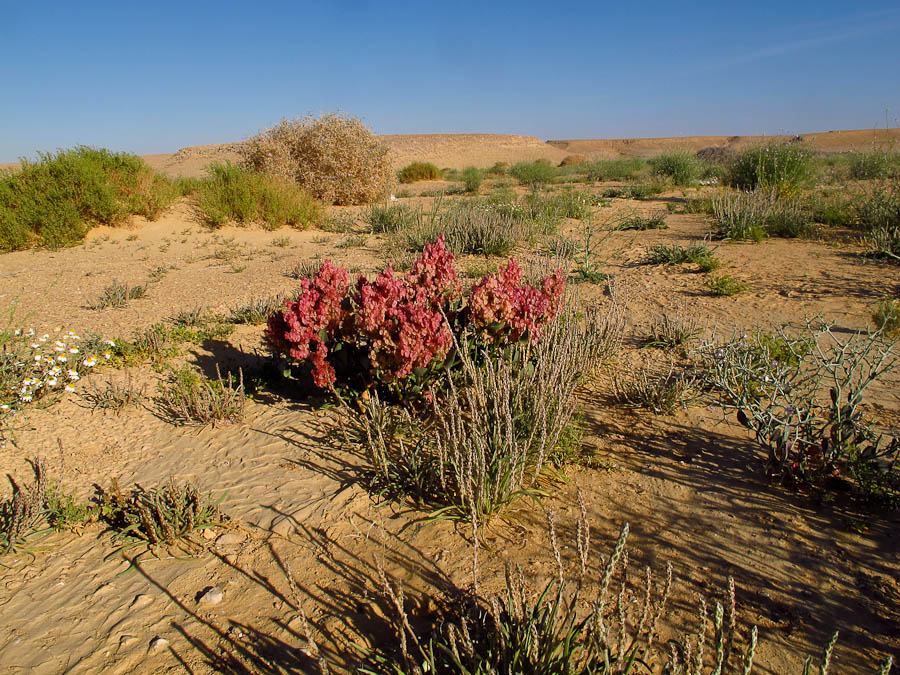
(781, 166)
(419, 171)
(868, 165)
(614, 169)
(682, 167)
(55, 201)
(472, 178)
(231, 194)
(533, 174)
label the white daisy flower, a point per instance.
(52, 382)
(61, 359)
(27, 398)
(111, 343)
(90, 362)
(69, 388)
(107, 355)
(73, 375)
(73, 350)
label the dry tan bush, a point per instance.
(335, 157)
(573, 160)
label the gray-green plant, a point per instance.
(802, 396)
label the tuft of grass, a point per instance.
(661, 392)
(417, 171)
(534, 174)
(117, 295)
(391, 218)
(672, 330)
(472, 178)
(783, 167)
(281, 242)
(725, 285)
(642, 191)
(256, 311)
(756, 215)
(656, 221)
(682, 167)
(871, 165)
(303, 270)
(190, 399)
(233, 195)
(614, 169)
(352, 241)
(55, 201)
(21, 515)
(676, 254)
(114, 394)
(886, 316)
(162, 520)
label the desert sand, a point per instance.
(307, 534)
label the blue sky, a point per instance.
(156, 76)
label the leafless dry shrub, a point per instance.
(335, 157)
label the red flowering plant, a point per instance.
(398, 332)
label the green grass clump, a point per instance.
(676, 254)
(614, 169)
(191, 399)
(725, 285)
(55, 201)
(391, 218)
(233, 195)
(755, 215)
(533, 174)
(641, 191)
(781, 166)
(472, 178)
(869, 165)
(887, 316)
(162, 520)
(656, 221)
(117, 295)
(682, 167)
(417, 171)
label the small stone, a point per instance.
(141, 600)
(230, 539)
(157, 644)
(127, 641)
(209, 534)
(211, 596)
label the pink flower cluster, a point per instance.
(502, 308)
(399, 325)
(305, 327)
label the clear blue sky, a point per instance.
(155, 76)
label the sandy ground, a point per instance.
(309, 536)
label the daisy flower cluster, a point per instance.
(33, 366)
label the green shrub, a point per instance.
(780, 166)
(55, 201)
(725, 285)
(419, 171)
(614, 169)
(887, 315)
(641, 191)
(676, 254)
(698, 205)
(755, 215)
(117, 295)
(472, 178)
(160, 520)
(335, 157)
(868, 165)
(533, 174)
(834, 208)
(233, 195)
(391, 218)
(682, 167)
(656, 221)
(190, 399)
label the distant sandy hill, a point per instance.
(461, 150)
(829, 141)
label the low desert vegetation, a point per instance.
(188, 398)
(758, 214)
(661, 391)
(676, 254)
(655, 221)
(335, 157)
(725, 285)
(782, 167)
(117, 295)
(417, 171)
(232, 195)
(57, 199)
(682, 167)
(887, 316)
(534, 175)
